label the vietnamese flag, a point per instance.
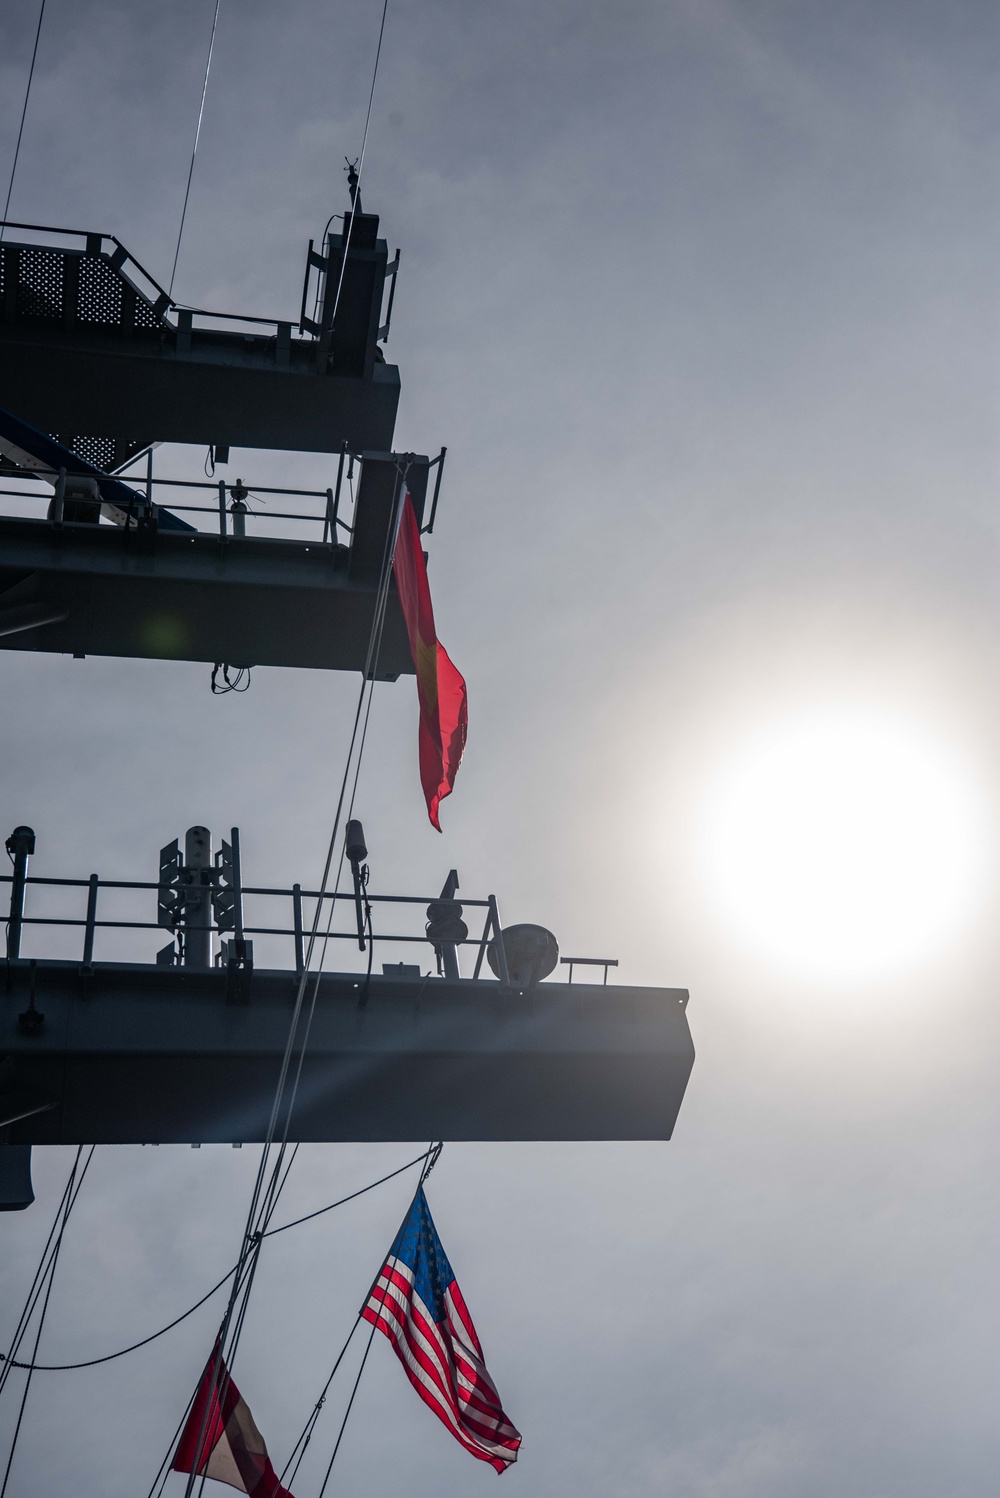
(232, 1448)
(441, 691)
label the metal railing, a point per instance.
(296, 932)
(126, 265)
(230, 510)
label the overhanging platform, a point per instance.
(141, 589)
(138, 1055)
(248, 601)
(95, 352)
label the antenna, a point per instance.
(357, 852)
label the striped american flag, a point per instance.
(417, 1303)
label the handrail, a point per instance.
(226, 926)
(321, 519)
(88, 236)
(91, 923)
(269, 891)
(9, 223)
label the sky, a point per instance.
(701, 295)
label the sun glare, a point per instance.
(845, 843)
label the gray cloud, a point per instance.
(702, 298)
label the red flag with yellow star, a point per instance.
(441, 690)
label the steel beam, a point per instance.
(220, 393)
(138, 1054)
(193, 597)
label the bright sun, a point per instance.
(845, 843)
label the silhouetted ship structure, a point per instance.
(98, 366)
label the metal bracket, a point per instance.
(390, 270)
(238, 957)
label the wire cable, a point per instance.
(429, 1159)
(70, 1201)
(310, 1425)
(30, 1298)
(350, 1402)
(356, 204)
(319, 1212)
(367, 687)
(110, 1357)
(194, 148)
(264, 1200)
(24, 112)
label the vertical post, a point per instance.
(300, 961)
(498, 938)
(60, 498)
(222, 508)
(237, 884)
(329, 524)
(196, 882)
(336, 497)
(149, 478)
(88, 931)
(428, 528)
(20, 845)
(449, 959)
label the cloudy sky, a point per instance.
(701, 294)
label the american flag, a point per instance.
(417, 1303)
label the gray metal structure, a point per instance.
(98, 365)
(94, 351)
(247, 598)
(135, 1054)
(188, 1047)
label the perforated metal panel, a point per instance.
(145, 317)
(97, 450)
(100, 293)
(106, 453)
(40, 285)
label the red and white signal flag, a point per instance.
(444, 715)
(232, 1449)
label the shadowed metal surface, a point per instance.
(250, 601)
(133, 1054)
(93, 350)
(144, 591)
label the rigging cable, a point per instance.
(430, 1159)
(110, 1357)
(356, 201)
(24, 112)
(32, 1296)
(194, 148)
(69, 1201)
(252, 1238)
(263, 1201)
(367, 689)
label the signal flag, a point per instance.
(444, 715)
(416, 1302)
(232, 1448)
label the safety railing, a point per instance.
(295, 932)
(232, 508)
(173, 314)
